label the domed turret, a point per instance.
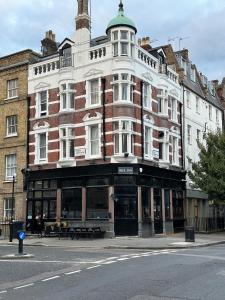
(121, 20)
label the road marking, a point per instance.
(23, 286)
(123, 258)
(73, 272)
(109, 262)
(3, 292)
(135, 256)
(50, 278)
(97, 266)
(221, 273)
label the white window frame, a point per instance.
(89, 83)
(173, 102)
(12, 88)
(39, 112)
(147, 101)
(198, 135)
(10, 166)
(120, 42)
(189, 129)
(210, 112)
(66, 57)
(123, 83)
(188, 99)
(67, 94)
(11, 125)
(8, 202)
(67, 138)
(148, 142)
(91, 121)
(165, 146)
(175, 150)
(197, 99)
(162, 97)
(124, 129)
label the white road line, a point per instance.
(50, 278)
(73, 272)
(23, 286)
(123, 258)
(109, 262)
(97, 266)
(135, 256)
(3, 292)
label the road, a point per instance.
(80, 274)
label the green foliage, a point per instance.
(209, 173)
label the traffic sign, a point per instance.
(21, 235)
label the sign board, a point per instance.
(21, 235)
(125, 170)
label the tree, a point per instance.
(208, 174)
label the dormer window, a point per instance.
(66, 56)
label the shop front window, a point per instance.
(97, 203)
(167, 204)
(178, 208)
(71, 203)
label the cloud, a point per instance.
(23, 25)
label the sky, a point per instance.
(197, 25)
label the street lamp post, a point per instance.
(11, 219)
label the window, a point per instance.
(167, 204)
(66, 143)
(71, 203)
(12, 88)
(66, 57)
(122, 87)
(189, 134)
(217, 116)
(198, 138)
(164, 146)
(188, 99)
(94, 140)
(94, 96)
(148, 142)
(192, 75)
(162, 102)
(197, 105)
(173, 109)
(42, 103)
(210, 112)
(175, 159)
(123, 43)
(11, 125)
(146, 95)
(67, 94)
(10, 166)
(123, 137)
(146, 202)
(97, 203)
(8, 205)
(42, 147)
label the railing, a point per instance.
(46, 68)
(4, 227)
(97, 53)
(206, 224)
(172, 75)
(147, 59)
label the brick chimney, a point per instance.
(83, 18)
(48, 44)
(145, 43)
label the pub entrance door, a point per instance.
(126, 217)
(158, 219)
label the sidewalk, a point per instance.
(175, 241)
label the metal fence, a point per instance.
(206, 224)
(4, 227)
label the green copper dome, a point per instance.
(121, 20)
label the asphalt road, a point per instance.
(75, 274)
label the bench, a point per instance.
(51, 231)
(88, 232)
(66, 232)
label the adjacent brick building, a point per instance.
(13, 131)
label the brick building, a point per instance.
(13, 131)
(105, 133)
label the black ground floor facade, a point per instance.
(123, 199)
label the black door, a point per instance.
(158, 221)
(126, 219)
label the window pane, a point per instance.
(116, 143)
(124, 91)
(115, 92)
(94, 140)
(42, 146)
(10, 166)
(11, 125)
(94, 91)
(167, 204)
(97, 203)
(124, 142)
(124, 48)
(72, 203)
(124, 35)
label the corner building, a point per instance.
(105, 142)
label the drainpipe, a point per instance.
(142, 123)
(182, 111)
(103, 117)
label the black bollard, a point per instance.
(20, 247)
